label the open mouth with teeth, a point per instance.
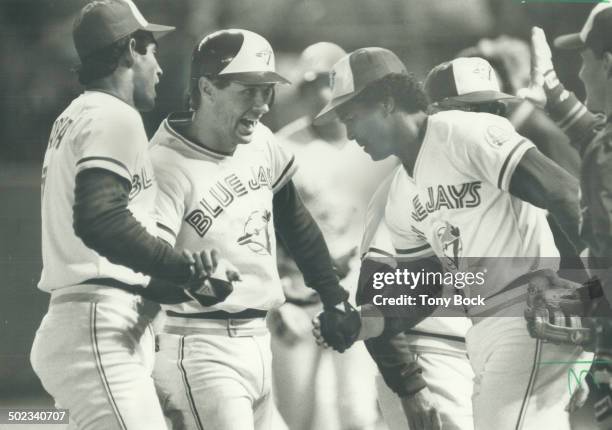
(247, 126)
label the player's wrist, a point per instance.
(333, 295)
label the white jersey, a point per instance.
(335, 181)
(209, 200)
(459, 205)
(446, 328)
(97, 130)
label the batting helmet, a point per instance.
(240, 55)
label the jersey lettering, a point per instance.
(464, 195)
(60, 127)
(200, 222)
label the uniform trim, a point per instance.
(504, 168)
(530, 385)
(188, 393)
(166, 229)
(98, 359)
(284, 172)
(109, 159)
(377, 251)
(412, 250)
(199, 148)
(437, 335)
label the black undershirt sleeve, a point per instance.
(105, 224)
(303, 239)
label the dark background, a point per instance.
(36, 84)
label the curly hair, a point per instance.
(405, 89)
(105, 61)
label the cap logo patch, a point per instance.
(266, 55)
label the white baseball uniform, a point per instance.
(216, 373)
(94, 349)
(458, 205)
(437, 343)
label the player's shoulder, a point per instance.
(297, 131)
(104, 108)
(467, 120)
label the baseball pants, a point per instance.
(216, 374)
(94, 353)
(449, 377)
(520, 383)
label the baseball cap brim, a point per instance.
(482, 97)
(254, 78)
(569, 41)
(328, 113)
(158, 29)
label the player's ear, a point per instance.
(130, 53)
(388, 105)
(607, 63)
(206, 88)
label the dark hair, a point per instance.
(105, 61)
(405, 89)
(194, 97)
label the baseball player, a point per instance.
(94, 349)
(224, 182)
(589, 131)
(338, 206)
(465, 177)
(425, 377)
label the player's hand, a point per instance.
(421, 411)
(289, 323)
(337, 326)
(579, 397)
(541, 55)
(541, 63)
(213, 278)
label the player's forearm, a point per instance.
(377, 317)
(541, 182)
(397, 364)
(569, 113)
(304, 241)
(105, 224)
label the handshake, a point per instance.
(338, 326)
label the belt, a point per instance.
(222, 315)
(81, 295)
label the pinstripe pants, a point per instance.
(520, 383)
(94, 354)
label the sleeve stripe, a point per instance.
(110, 160)
(412, 250)
(572, 115)
(285, 170)
(166, 229)
(379, 252)
(502, 172)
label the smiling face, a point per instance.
(369, 126)
(237, 108)
(146, 77)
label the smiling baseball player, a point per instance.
(225, 182)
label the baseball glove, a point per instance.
(340, 326)
(556, 310)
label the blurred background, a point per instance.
(36, 84)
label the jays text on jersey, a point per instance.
(97, 130)
(218, 201)
(462, 207)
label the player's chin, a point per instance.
(145, 104)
